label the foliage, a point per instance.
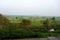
(5, 22)
(25, 23)
(22, 33)
(27, 28)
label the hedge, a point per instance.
(22, 33)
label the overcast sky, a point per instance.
(30, 7)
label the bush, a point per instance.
(17, 33)
(23, 33)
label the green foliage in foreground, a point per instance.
(27, 28)
(22, 33)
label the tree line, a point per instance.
(26, 24)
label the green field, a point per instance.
(37, 23)
(27, 27)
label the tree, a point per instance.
(42, 24)
(0, 14)
(25, 23)
(47, 24)
(53, 22)
(4, 22)
(16, 17)
(53, 18)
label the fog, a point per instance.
(30, 7)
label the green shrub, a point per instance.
(23, 33)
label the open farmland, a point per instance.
(18, 19)
(29, 27)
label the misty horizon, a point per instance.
(30, 7)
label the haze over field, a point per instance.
(30, 7)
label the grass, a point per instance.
(22, 33)
(37, 23)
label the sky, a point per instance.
(30, 7)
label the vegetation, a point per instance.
(33, 27)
